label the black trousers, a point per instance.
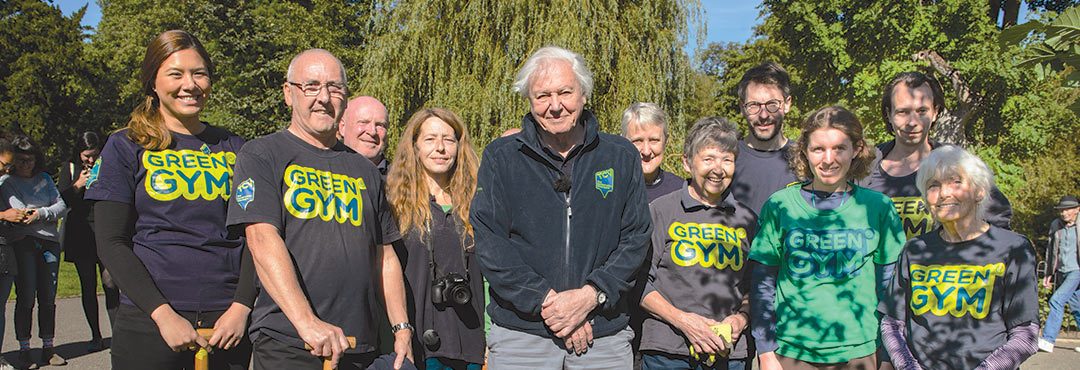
(137, 344)
(270, 354)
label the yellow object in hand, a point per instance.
(724, 332)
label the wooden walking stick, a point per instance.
(202, 354)
(326, 360)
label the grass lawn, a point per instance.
(67, 284)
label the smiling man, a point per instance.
(320, 231)
(762, 166)
(910, 105)
(363, 128)
(561, 225)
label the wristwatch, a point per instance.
(405, 325)
(601, 297)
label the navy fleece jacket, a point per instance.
(531, 238)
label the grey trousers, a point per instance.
(509, 349)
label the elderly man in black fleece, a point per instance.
(561, 224)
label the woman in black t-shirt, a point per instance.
(162, 188)
(79, 245)
(964, 295)
(430, 186)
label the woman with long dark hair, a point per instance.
(430, 186)
(162, 188)
(37, 248)
(79, 245)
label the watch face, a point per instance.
(601, 298)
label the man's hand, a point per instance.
(403, 347)
(325, 340)
(13, 215)
(768, 361)
(229, 328)
(177, 332)
(738, 322)
(563, 312)
(697, 329)
(1046, 281)
(580, 339)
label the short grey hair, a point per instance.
(292, 64)
(542, 57)
(644, 114)
(951, 160)
(712, 132)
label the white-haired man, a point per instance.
(561, 225)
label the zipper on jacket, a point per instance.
(566, 251)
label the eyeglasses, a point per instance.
(312, 88)
(771, 106)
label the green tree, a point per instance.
(463, 54)
(250, 42)
(47, 91)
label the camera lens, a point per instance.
(431, 339)
(461, 293)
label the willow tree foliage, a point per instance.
(463, 54)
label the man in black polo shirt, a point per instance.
(319, 229)
(762, 166)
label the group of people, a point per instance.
(38, 217)
(564, 247)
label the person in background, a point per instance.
(1065, 260)
(80, 246)
(37, 248)
(645, 125)
(8, 217)
(826, 248)
(965, 294)
(698, 275)
(161, 191)
(363, 129)
(430, 186)
(910, 105)
(762, 168)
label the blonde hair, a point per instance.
(407, 190)
(146, 126)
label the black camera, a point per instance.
(451, 288)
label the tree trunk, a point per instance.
(1012, 12)
(995, 10)
(951, 125)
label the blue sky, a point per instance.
(726, 20)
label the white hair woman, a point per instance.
(968, 281)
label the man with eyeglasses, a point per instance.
(910, 105)
(320, 231)
(762, 166)
(363, 128)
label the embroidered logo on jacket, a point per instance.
(954, 289)
(329, 196)
(245, 193)
(605, 181)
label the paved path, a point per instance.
(72, 335)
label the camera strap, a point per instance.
(431, 250)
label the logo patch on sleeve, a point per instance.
(245, 193)
(605, 181)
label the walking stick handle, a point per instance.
(326, 360)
